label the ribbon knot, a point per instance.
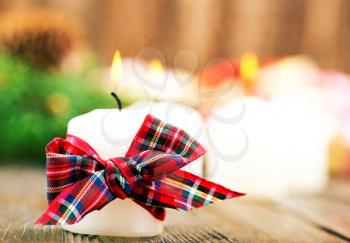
(79, 181)
(121, 176)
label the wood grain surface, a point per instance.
(318, 218)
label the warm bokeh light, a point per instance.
(156, 66)
(156, 71)
(249, 66)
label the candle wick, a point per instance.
(119, 102)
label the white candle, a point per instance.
(110, 133)
(250, 139)
(307, 132)
(287, 76)
(141, 80)
(280, 146)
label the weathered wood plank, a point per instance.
(267, 222)
(327, 213)
(242, 220)
(338, 190)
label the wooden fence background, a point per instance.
(213, 28)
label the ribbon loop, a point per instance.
(156, 165)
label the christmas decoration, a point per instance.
(42, 37)
(35, 105)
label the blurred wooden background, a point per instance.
(213, 28)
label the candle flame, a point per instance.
(249, 67)
(117, 67)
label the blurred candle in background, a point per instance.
(307, 131)
(287, 76)
(245, 152)
(249, 67)
(337, 88)
(142, 80)
(275, 148)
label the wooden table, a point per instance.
(318, 218)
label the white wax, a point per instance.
(307, 132)
(286, 147)
(110, 133)
(287, 76)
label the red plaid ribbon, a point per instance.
(79, 181)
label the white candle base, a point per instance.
(123, 218)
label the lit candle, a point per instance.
(150, 80)
(110, 132)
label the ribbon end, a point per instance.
(235, 194)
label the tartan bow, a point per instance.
(79, 181)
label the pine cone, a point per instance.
(41, 37)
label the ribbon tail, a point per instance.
(153, 200)
(192, 191)
(180, 190)
(83, 197)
